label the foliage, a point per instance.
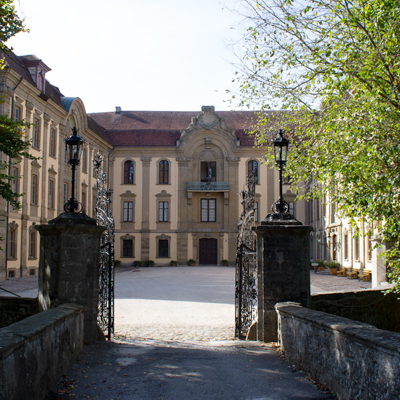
(333, 264)
(149, 263)
(137, 263)
(334, 66)
(13, 145)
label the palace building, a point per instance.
(176, 179)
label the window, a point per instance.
(65, 192)
(163, 248)
(162, 243)
(51, 194)
(357, 248)
(252, 166)
(84, 160)
(36, 134)
(369, 247)
(15, 180)
(346, 246)
(334, 247)
(163, 172)
(84, 202)
(128, 211)
(208, 210)
(32, 243)
(18, 113)
(291, 207)
(12, 241)
(34, 189)
(128, 172)
(208, 171)
(163, 211)
(127, 248)
(66, 154)
(53, 145)
(256, 211)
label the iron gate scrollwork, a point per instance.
(105, 317)
(246, 264)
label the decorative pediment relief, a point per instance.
(208, 155)
(207, 119)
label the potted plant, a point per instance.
(149, 263)
(137, 263)
(174, 263)
(225, 263)
(321, 265)
(333, 266)
(117, 263)
(191, 262)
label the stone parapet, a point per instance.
(352, 359)
(37, 351)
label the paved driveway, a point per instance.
(189, 303)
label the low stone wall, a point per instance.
(352, 359)
(369, 306)
(14, 309)
(37, 351)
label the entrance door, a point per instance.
(208, 251)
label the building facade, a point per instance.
(45, 184)
(176, 179)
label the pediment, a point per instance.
(207, 120)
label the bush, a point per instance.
(333, 264)
(137, 263)
(117, 262)
(149, 263)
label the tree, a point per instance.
(13, 144)
(334, 65)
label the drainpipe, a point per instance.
(9, 172)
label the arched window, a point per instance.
(163, 172)
(252, 166)
(128, 172)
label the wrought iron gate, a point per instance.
(246, 264)
(105, 317)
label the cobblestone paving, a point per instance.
(130, 333)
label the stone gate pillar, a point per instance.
(69, 265)
(283, 270)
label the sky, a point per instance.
(171, 55)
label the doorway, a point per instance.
(208, 251)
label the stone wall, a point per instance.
(14, 309)
(37, 351)
(352, 359)
(369, 306)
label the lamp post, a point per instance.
(73, 146)
(280, 209)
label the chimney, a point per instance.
(117, 110)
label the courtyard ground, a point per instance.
(174, 339)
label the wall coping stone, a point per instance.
(366, 334)
(14, 336)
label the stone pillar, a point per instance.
(283, 270)
(69, 266)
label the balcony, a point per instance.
(208, 186)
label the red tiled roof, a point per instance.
(163, 128)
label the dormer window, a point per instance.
(38, 69)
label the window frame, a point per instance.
(35, 189)
(36, 134)
(53, 143)
(124, 239)
(205, 211)
(163, 172)
(51, 194)
(213, 178)
(250, 169)
(163, 209)
(125, 175)
(127, 211)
